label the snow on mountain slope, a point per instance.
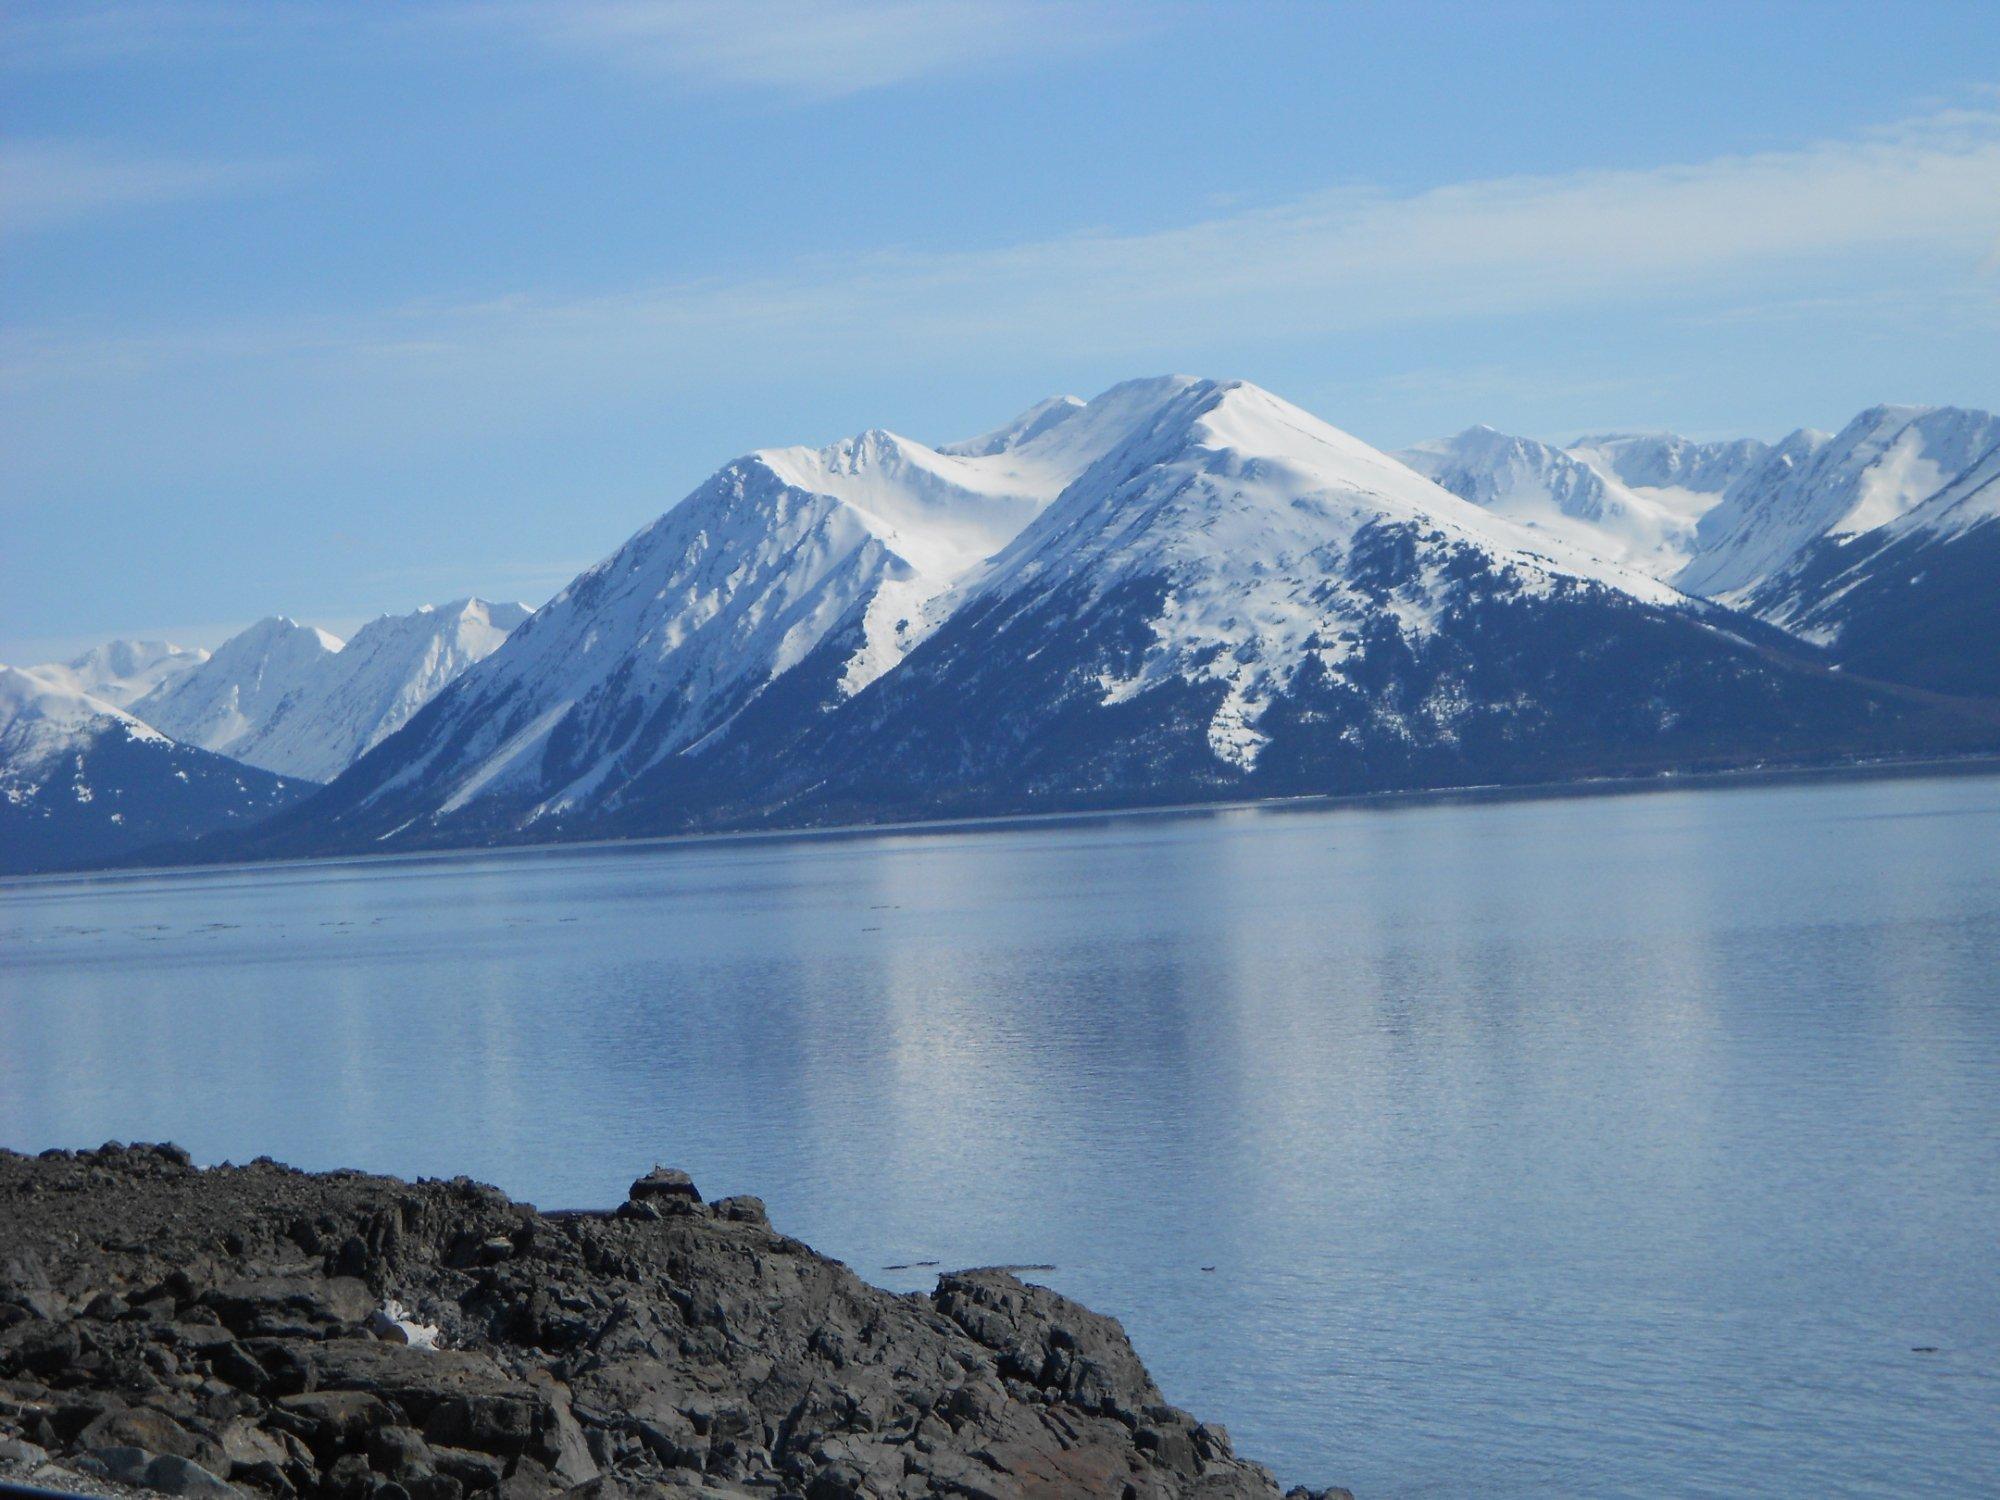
(373, 685)
(1885, 462)
(121, 672)
(1033, 423)
(1239, 599)
(1912, 601)
(293, 699)
(1677, 471)
(1566, 496)
(82, 781)
(662, 643)
(1247, 506)
(253, 682)
(43, 718)
(1183, 588)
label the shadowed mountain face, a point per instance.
(1915, 600)
(1181, 590)
(1871, 544)
(82, 782)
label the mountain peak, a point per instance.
(1030, 424)
(43, 717)
(292, 699)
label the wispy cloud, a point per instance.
(1338, 259)
(815, 48)
(47, 183)
(1923, 193)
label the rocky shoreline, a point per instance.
(256, 1331)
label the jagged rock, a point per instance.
(138, 1427)
(671, 1347)
(663, 1185)
(743, 1209)
(181, 1476)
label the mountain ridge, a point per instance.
(1227, 597)
(298, 701)
(83, 781)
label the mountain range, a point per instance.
(1181, 590)
(137, 744)
(293, 699)
(1875, 543)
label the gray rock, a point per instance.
(138, 1427)
(665, 1184)
(124, 1464)
(670, 1349)
(289, 1306)
(742, 1209)
(20, 1451)
(180, 1476)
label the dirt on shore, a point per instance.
(256, 1331)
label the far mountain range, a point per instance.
(1182, 590)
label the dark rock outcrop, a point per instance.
(259, 1331)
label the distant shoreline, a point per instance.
(1496, 792)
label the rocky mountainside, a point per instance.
(83, 782)
(293, 699)
(256, 1331)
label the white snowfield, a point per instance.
(1250, 509)
(43, 722)
(1722, 521)
(122, 672)
(1577, 495)
(1883, 464)
(295, 700)
(1240, 496)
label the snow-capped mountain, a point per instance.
(662, 643)
(1183, 588)
(1243, 600)
(293, 699)
(82, 781)
(1571, 497)
(1882, 464)
(1914, 600)
(253, 682)
(1867, 543)
(122, 672)
(1674, 470)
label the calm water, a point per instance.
(1611, 1146)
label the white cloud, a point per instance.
(814, 48)
(47, 183)
(1339, 259)
(1887, 209)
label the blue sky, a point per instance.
(335, 309)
